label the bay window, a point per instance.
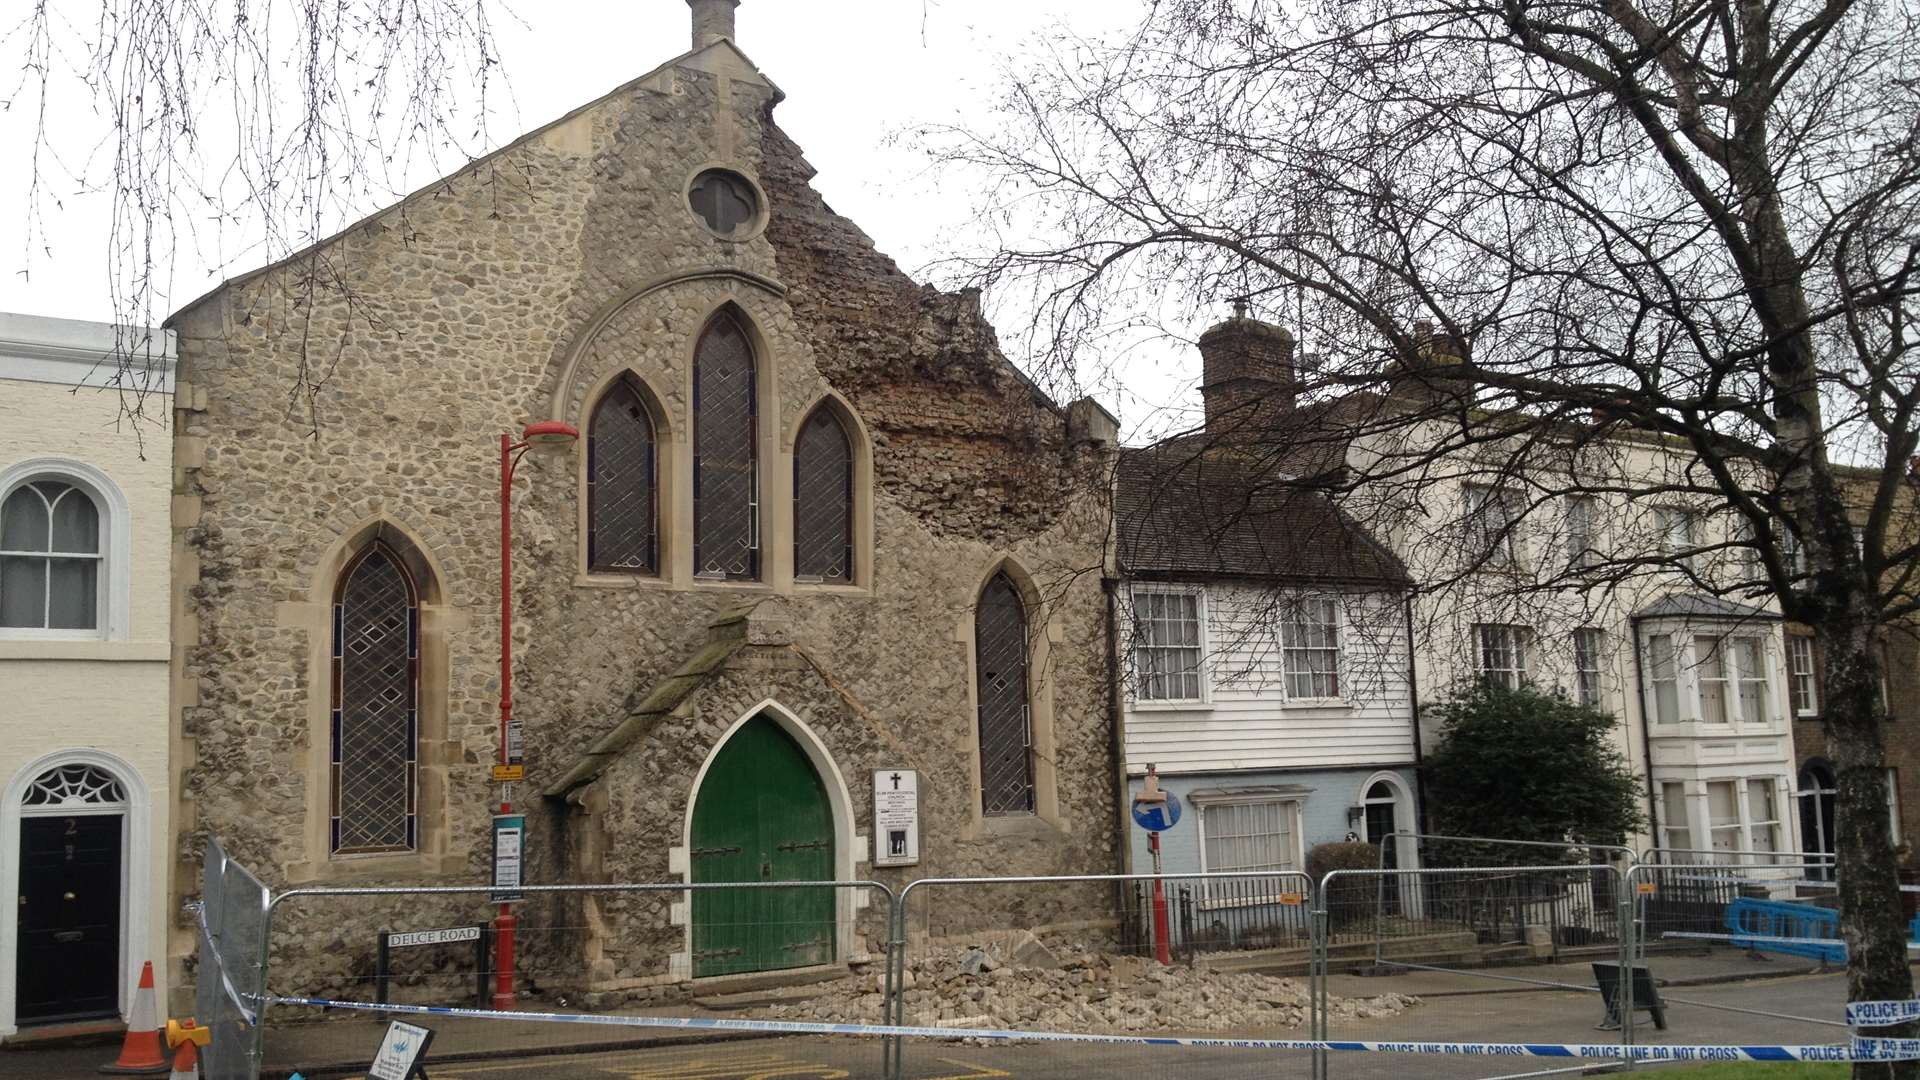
(1763, 808)
(1662, 670)
(1750, 654)
(1675, 834)
(1729, 683)
(1710, 668)
(1723, 816)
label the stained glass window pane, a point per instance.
(620, 479)
(726, 495)
(823, 499)
(375, 736)
(1000, 633)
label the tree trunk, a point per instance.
(1870, 910)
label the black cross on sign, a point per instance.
(896, 781)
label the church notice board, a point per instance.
(896, 817)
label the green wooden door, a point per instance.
(762, 815)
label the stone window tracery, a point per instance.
(1006, 718)
(823, 500)
(622, 489)
(375, 715)
(726, 481)
(725, 201)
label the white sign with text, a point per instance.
(896, 817)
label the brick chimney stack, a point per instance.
(712, 20)
(1246, 375)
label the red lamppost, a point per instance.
(542, 434)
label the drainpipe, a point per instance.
(1646, 727)
(1413, 703)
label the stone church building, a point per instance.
(815, 525)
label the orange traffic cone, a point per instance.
(186, 1037)
(141, 1053)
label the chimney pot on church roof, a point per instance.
(712, 20)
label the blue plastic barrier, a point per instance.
(1780, 919)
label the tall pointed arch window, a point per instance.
(726, 482)
(376, 698)
(1006, 719)
(622, 489)
(823, 500)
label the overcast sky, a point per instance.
(858, 75)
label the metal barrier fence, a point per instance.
(647, 937)
(1705, 901)
(1769, 911)
(1064, 958)
(231, 975)
(1407, 929)
(1081, 970)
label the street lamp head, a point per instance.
(550, 434)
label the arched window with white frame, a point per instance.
(63, 552)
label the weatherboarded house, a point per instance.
(815, 526)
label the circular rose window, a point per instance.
(726, 201)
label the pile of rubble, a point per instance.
(1022, 984)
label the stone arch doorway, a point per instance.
(761, 813)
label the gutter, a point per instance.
(1646, 729)
(1413, 703)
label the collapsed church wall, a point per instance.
(349, 403)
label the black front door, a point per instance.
(69, 918)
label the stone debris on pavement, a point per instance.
(1078, 990)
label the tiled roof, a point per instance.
(1184, 511)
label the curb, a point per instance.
(1681, 981)
(358, 1067)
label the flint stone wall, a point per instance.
(360, 389)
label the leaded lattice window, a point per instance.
(726, 483)
(622, 509)
(376, 717)
(1006, 729)
(823, 500)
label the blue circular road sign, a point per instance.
(1157, 816)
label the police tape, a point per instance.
(1881, 1013)
(1860, 1050)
